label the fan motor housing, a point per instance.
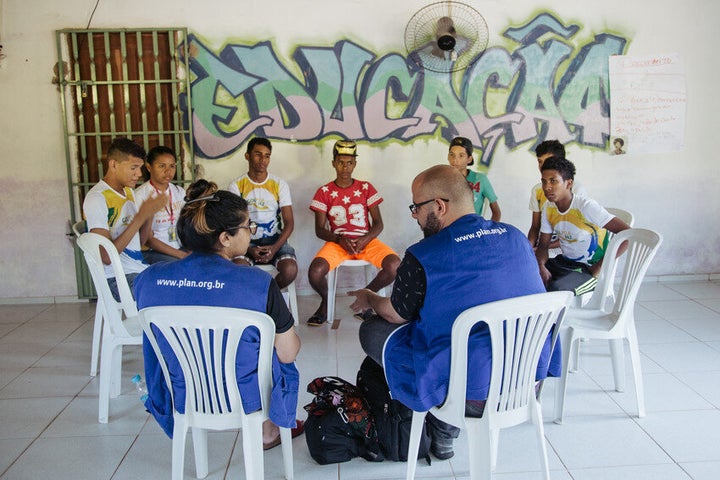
(446, 42)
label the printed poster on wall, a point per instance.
(647, 104)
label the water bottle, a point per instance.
(140, 387)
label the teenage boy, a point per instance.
(110, 209)
(546, 149)
(347, 217)
(583, 228)
(270, 206)
(460, 157)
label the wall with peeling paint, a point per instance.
(328, 64)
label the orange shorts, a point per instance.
(374, 252)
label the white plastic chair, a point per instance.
(78, 229)
(332, 283)
(609, 314)
(291, 291)
(116, 331)
(623, 215)
(518, 330)
(626, 217)
(199, 336)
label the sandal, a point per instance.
(316, 320)
(294, 432)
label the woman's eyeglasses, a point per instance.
(414, 207)
(252, 226)
(209, 198)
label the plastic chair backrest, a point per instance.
(623, 215)
(642, 245)
(518, 330)
(205, 341)
(90, 244)
(79, 228)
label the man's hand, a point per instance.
(265, 254)
(348, 244)
(153, 205)
(361, 243)
(545, 275)
(362, 301)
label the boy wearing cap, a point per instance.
(460, 157)
(347, 217)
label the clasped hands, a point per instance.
(353, 245)
(262, 254)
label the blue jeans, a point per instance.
(112, 283)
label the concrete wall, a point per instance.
(676, 193)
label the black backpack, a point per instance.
(392, 419)
(339, 426)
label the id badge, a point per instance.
(172, 234)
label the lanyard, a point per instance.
(169, 211)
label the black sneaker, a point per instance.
(442, 450)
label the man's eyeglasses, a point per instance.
(414, 207)
(252, 226)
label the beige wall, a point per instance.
(674, 193)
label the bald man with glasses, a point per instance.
(463, 261)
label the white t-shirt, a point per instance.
(265, 201)
(107, 209)
(580, 229)
(165, 220)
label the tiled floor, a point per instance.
(49, 429)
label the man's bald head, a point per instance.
(444, 181)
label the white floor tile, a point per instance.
(10, 449)
(686, 436)
(702, 470)
(28, 417)
(46, 382)
(635, 472)
(683, 357)
(603, 441)
(48, 404)
(58, 458)
(697, 290)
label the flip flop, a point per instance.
(316, 320)
(294, 432)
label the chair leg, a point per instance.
(617, 354)
(106, 370)
(566, 340)
(116, 372)
(637, 369)
(287, 452)
(480, 446)
(332, 287)
(97, 334)
(252, 447)
(540, 431)
(494, 441)
(416, 428)
(292, 294)
(200, 447)
(178, 447)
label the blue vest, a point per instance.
(210, 280)
(470, 262)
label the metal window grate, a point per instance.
(121, 83)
